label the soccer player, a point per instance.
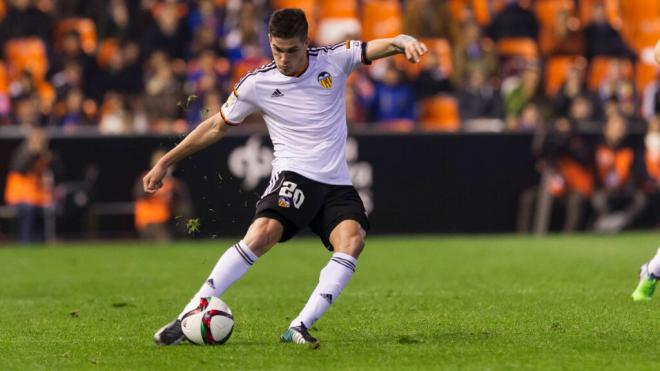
(301, 95)
(650, 272)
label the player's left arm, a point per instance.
(402, 44)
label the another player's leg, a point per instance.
(347, 239)
(263, 234)
(648, 277)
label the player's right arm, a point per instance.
(208, 132)
(237, 107)
(657, 52)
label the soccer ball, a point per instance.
(210, 323)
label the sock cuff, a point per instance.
(345, 260)
(245, 252)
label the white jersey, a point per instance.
(305, 115)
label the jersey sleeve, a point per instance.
(239, 105)
(350, 55)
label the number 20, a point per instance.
(290, 190)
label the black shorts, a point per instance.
(297, 202)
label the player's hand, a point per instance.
(154, 179)
(413, 48)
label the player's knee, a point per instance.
(353, 246)
(262, 235)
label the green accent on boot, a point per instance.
(287, 336)
(645, 289)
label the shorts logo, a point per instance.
(283, 202)
(288, 192)
(325, 79)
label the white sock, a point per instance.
(231, 266)
(332, 280)
(654, 265)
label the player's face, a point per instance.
(290, 54)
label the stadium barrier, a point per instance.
(417, 183)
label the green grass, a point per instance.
(474, 303)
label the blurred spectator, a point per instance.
(168, 34)
(30, 182)
(72, 116)
(208, 105)
(650, 167)
(246, 29)
(206, 15)
(520, 90)
(619, 89)
(114, 117)
(478, 98)
(393, 103)
(111, 78)
(530, 118)
(156, 212)
(574, 86)
(568, 36)
(617, 200)
(564, 160)
(430, 18)
(358, 91)
(70, 77)
(651, 100)
(205, 74)
(115, 21)
(513, 21)
(22, 87)
(433, 78)
(581, 113)
(24, 19)
(163, 101)
(71, 52)
(26, 112)
(472, 51)
(602, 38)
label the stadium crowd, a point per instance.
(159, 66)
(555, 68)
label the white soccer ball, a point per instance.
(210, 323)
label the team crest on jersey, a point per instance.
(325, 79)
(283, 202)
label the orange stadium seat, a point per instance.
(600, 65)
(547, 12)
(518, 47)
(381, 18)
(646, 70)
(107, 48)
(338, 9)
(612, 9)
(337, 20)
(85, 27)
(556, 69)
(26, 54)
(481, 11)
(4, 83)
(308, 6)
(3, 9)
(439, 113)
(459, 9)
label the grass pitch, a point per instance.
(473, 303)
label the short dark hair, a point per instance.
(288, 23)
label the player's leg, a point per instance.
(648, 277)
(262, 235)
(347, 238)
